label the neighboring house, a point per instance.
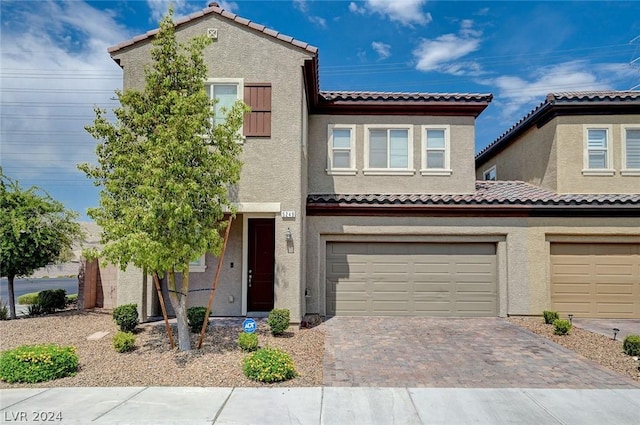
(357, 203)
(585, 148)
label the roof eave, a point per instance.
(396, 107)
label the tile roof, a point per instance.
(487, 193)
(214, 9)
(595, 98)
(400, 96)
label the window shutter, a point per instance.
(257, 123)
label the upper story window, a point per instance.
(490, 174)
(341, 156)
(198, 266)
(388, 149)
(597, 151)
(435, 150)
(631, 150)
(226, 91)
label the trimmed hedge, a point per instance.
(248, 341)
(631, 345)
(28, 299)
(196, 317)
(38, 363)
(269, 365)
(124, 341)
(278, 320)
(126, 316)
(550, 316)
(561, 327)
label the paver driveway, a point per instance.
(463, 353)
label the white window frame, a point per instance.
(409, 170)
(608, 170)
(488, 172)
(446, 171)
(198, 266)
(227, 81)
(352, 150)
(624, 170)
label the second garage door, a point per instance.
(596, 280)
(411, 279)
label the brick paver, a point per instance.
(462, 353)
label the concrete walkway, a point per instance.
(314, 406)
(605, 326)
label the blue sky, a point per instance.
(55, 67)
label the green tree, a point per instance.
(35, 230)
(165, 169)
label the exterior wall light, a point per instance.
(288, 236)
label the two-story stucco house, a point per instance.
(365, 203)
(585, 147)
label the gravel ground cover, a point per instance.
(596, 347)
(153, 363)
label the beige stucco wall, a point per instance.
(523, 248)
(272, 171)
(553, 157)
(462, 139)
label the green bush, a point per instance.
(269, 365)
(247, 341)
(35, 310)
(72, 299)
(52, 300)
(4, 310)
(124, 341)
(195, 317)
(38, 363)
(631, 345)
(278, 320)
(550, 316)
(561, 326)
(28, 299)
(126, 316)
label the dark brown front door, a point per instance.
(261, 263)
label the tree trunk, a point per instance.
(12, 298)
(179, 303)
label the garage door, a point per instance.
(411, 279)
(596, 280)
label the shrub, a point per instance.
(72, 299)
(550, 316)
(631, 345)
(126, 316)
(278, 320)
(35, 310)
(269, 365)
(196, 317)
(38, 363)
(4, 310)
(28, 299)
(124, 341)
(561, 326)
(52, 300)
(247, 341)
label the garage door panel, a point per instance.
(596, 280)
(408, 279)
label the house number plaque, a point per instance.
(288, 214)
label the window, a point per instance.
(257, 123)
(389, 150)
(597, 159)
(198, 266)
(435, 150)
(341, 155)
(631, 150)
(490, 174)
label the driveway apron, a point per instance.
(453, 352)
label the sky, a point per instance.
(54, 65)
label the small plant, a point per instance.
(52, 300)
(126, 316)
(278, 320)
(561, 327)
(72, 299)
(269, 365)
(38, 363)
(28, 299)
(550, 316)
(124, 341)
(248, 342)
(35, 310)
(196, 317)
(4, 310)
(631, 345)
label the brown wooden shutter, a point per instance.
(257, 123)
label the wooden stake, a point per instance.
(215, 283)
(156, 281)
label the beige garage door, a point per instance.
(596, 280)
(411, 279)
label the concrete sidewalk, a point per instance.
(318, 405)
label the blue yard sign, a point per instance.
(249, 326)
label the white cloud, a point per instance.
(159, 8)
(354, 8)
(406, 12)
(383, 50)
(317, 20)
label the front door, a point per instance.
(261, 264)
